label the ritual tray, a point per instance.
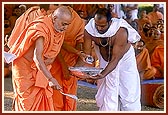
(79, 71)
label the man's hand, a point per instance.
(96, 77)
(64, 66)
(82, 56)
(54, 84)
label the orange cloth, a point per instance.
(92, 8)
(155, 16)
(141, 22)
(157, 60)
(81, 7)
(151, 45)
(32, 92)
(73, 36)
(88, 9)
(144, 37)
(144, 65)
(20, 24)
(162, 36)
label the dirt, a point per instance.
(85, 102)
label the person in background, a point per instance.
(130, 20)
(88, 9)
(157, 60)
(142, 20)
(7, 31)
(154, 40)
(110, 7)
(155, 15)
(118, 9)
(83, 8)
(145, 33)
(7, 28)
(161, 8)
(160, 26)
(146, 71)
(133, 8)
(52, 7)
(15, 14)
(23, 8)
(81, 14)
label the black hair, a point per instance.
(104, 12)
(155, 5)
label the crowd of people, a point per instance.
(49, 38)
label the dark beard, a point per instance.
(102, 31)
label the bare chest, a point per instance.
(105, 46)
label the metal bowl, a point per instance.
(83, 71)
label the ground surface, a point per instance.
(86, 101)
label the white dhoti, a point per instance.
(120, 89)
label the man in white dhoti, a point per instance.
(119, 82)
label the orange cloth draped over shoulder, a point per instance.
(151, 45)
(144, 65)
(32, 92)
(31, 14)
(157, 60)
(73, 36)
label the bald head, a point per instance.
(62, 12)
(62, 17)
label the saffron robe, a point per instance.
(144, 65)
(157, 60)
(73, 36)
(31, 14)
(32, 92)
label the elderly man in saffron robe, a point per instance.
(36, 48)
